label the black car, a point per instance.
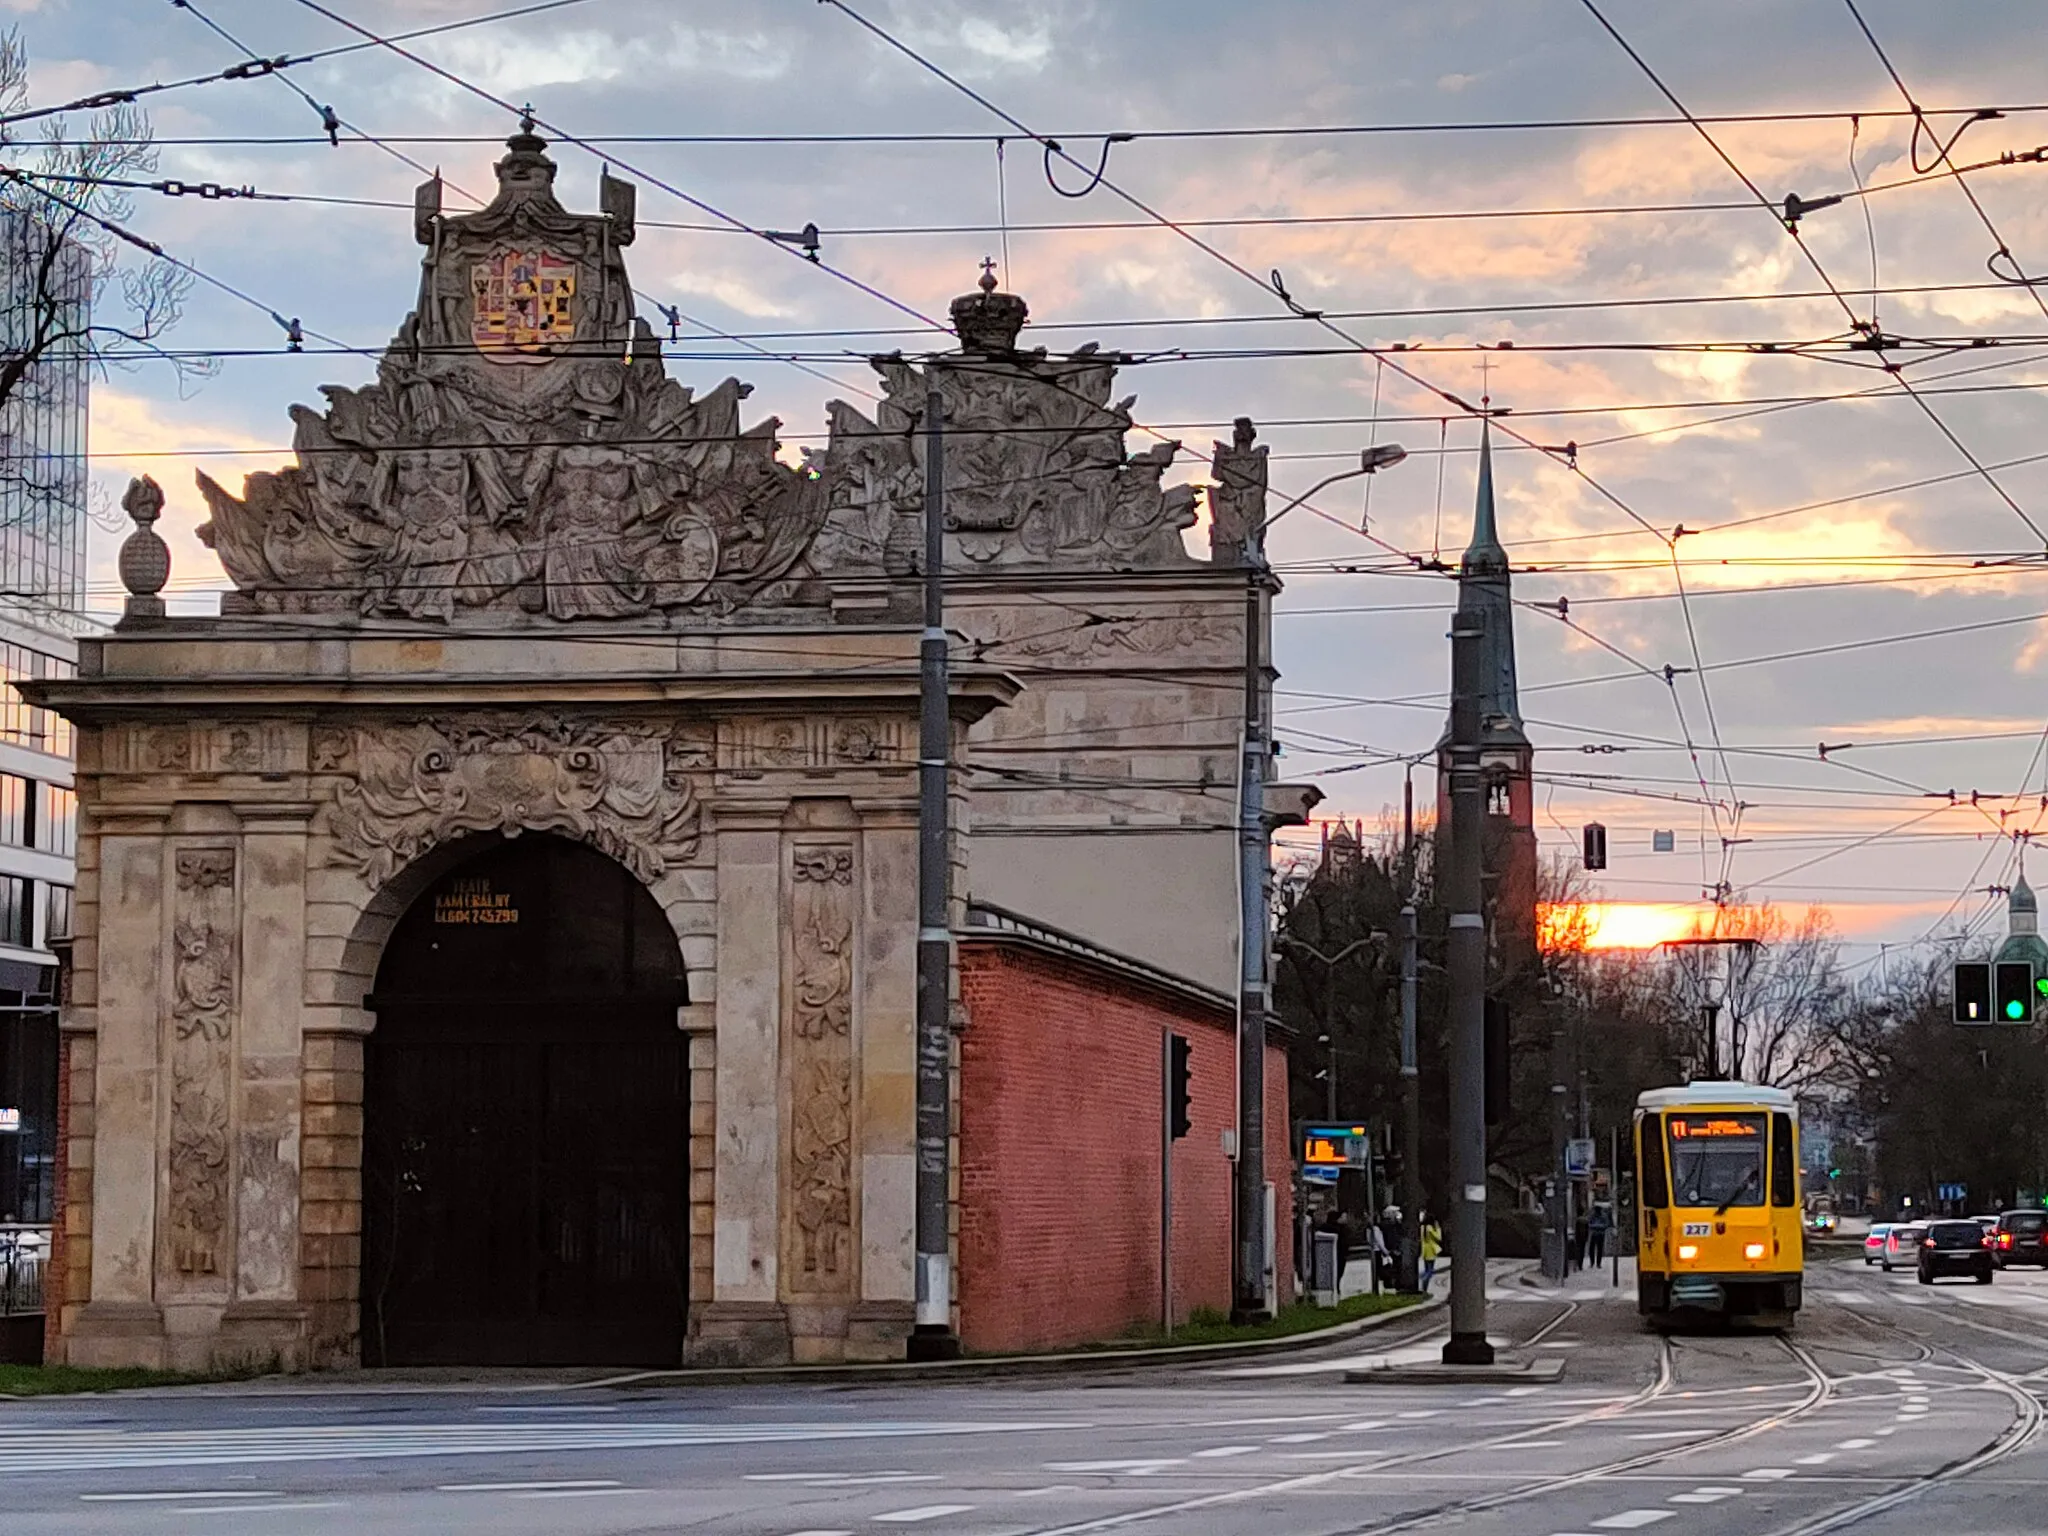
(2021, 1238)
(1955, 1248)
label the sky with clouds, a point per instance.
(1846, 528)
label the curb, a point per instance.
(975, 1367)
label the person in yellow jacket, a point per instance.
(1432, 1250)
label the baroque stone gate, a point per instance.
(526, 585)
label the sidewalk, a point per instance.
(1587, 1283)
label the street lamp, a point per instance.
(1254, 874)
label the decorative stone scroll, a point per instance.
(822, 902)
(202, 1024)
(627, 789)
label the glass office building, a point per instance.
(42, 594)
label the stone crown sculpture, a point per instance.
(524, 457)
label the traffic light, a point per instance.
(1972, 992)
(2013, 982)
(1595, 846)
(1177, 1053)
(1498, 1048)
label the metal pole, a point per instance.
(932, 1336)
(1466, 962)
(1614, 1200)
(1372, 1212)
(1411, 1113)
(1166, 1180)
(1249, 1291)
(1330, 1029)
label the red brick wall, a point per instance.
(1059, 1151)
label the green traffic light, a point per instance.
(2015, 1009)
(2041, 985)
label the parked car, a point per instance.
(1873, 1244)
(1955, 1248)
(1902, 1245)
(2021, 1238)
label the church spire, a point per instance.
(1485, 589)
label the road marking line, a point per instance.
(1670, 1434)
(257, 1509)
(145, 1498)
(549, 1487)
(1854, 1445)
(1633, 1519)
(1136, 1468)
(1362, 1425)
(1767, 1474)
(1296, 1439)
(821, 1533)
(923, 1512)
(1420, 1413)
(1216, 1452)
(1817, 1459)
(1889, 1429)
(1033, 1493)
(576, 1493)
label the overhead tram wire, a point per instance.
(706, 208)
(332, 121)
(270, 65)
(1254, 131)
(1791, 228)
(2004, 249)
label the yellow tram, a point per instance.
(1718, 1204)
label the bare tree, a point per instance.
(1778, 983)
(81, 293)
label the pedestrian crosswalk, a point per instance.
(93, 1449)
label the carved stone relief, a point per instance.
(748, 746)
(627, 789)
(822, 921)
(1027, 635)
(202, 1027)
(235, 747)
(523, 452)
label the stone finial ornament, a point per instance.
(145, 559)
(988, 322)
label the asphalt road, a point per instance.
(1891, 1408)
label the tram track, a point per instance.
(1820, 1391)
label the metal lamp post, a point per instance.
(1255, 987)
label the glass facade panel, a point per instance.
(22, 722)
(57, 918)
(17, 797)
(17, 911)
(56, 823)
(43, 420)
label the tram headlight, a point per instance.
(1753, 1251)
(1688, 1251)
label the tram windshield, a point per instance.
(1716, 1159)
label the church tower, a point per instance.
(1484, 593)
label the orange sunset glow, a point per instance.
(1619, 924)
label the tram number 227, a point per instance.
(1697, 1228)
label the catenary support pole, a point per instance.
(1411, 1113)
(1466, 962)
(1248, 1291)
(932, 1336)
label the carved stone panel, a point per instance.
(628, 789)
(823, 905)
(750, 746)
(203, 1005)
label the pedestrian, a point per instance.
(1596, 1235)
(1432, 1250)
(1382, 1258)
(1581, 1229)
(1333, 1223)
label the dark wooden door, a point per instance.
(526, 1133)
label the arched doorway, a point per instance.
(526, 1120)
